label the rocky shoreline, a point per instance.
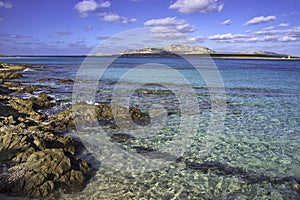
(37, 160)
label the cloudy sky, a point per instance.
(74, 27)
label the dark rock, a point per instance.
(43, 101)
(60, 122)
(45, 163)
(7, 111)
(22, 105)
(5, 91)
(28, 106)
(121, 137)
(10, 75)
(35, 162)
(46, 79)
(59, 80)
(30, 89)
(139, 117)
(66, 80)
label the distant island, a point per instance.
(174, 48)
(178, 49)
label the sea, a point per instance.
(220, 126)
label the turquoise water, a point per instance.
(261, 133)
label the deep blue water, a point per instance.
(272, 74)
(261, 131)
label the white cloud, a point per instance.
(287, 35)
(269, 35)
(166, 33)
(241, 38)
(227, 36)
(132, 20)
(105, 4)
(269, 28)
(288, 39)
(115, 18)
(268, 31)
(172, 23)
(284, 24)
(86, 6)
(163, 35)
(5, 5)
(260, 20)
(196, 6)
(1, 19)
(269, 39)
(293, 32)
(249, 40)
(227, 22)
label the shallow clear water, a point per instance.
(261, 133)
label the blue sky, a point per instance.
(75, 27)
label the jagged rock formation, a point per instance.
(34, 160)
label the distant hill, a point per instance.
(267, 53)
(174, 48)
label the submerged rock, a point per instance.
(296, 187)
(20, 89)
(66, 80)
(30, 89)
(87, 114)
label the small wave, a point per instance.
(29, 70)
